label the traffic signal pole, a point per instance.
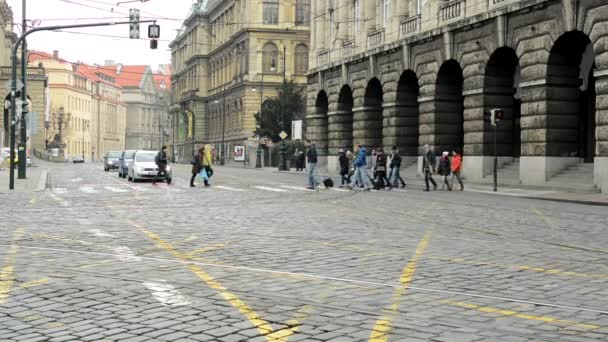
(13, 116)
(495, 159)
(23, 132)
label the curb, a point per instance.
(563, 200)
(44, 174)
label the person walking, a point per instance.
(296, 159)
(197, 165)
(311, 159)
(395, 166)
(444, 170)
(428, 167)
(456, 168)
(380, 171)
(161, 163)
(344, 168)
(360, 168)
(207, 164)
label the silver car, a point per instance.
(144, 167)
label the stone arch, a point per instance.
(367, 125)
(570, 121)
(500, 90)
(449, 108)
(340, 122)
(317, 130)
(401, 118)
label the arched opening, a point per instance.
(317, 128)
(406, 122)
(571, 98)
(500, 90)
(449, 108)
(367, 126)
(270, 52)
(340, 123)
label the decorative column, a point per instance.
(367, 126)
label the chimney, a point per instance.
(56, 54)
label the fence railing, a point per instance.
(410, 25)
(348, 48)
(33, 72)
(451, 10)
(375, 38)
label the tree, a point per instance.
(279, 111)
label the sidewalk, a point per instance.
(36, 179)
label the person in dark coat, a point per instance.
(395, 166)
(311, 159)
(445, 169)
(428, 167)
(161, 162)
(197, 164)
(380, 171)
(344, 168)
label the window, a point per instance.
(269, 58)
(271, 11)
(357, 14)
(301, 59)
(386, 12)
(332, 24)
(302, 12)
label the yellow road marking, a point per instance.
(511, 313)
(385, 323)
(34, 283)
(33, 200)
(545, 218)
(207, 249)
(101, 263)
(6, 273)
(253, 317)
(552, 271)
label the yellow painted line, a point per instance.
(385, 323)
(545, 218)
(207, 249)
(511, 313)
(6, 273)
(33, 200)
(253, 317)
(34, 283)
(551, 271)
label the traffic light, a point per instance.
(134, 26)
(153, 44)
(496, 116)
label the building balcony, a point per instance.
(33, 73)
(375, 39)
(453, 10)
(323, 57)
(347, 49)
(494, 4)
(409, 26)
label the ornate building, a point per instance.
(227, 59)
(413, 72)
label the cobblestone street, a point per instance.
(256, 257)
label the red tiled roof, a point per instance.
(33, 56)
(129, 76)
(159, 79)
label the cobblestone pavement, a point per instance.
(257, 258)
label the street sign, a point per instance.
(296, 130)
(154, 31)
(283, 135)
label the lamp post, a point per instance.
(258, 152)
(21, 174)
(283, 148)
(222, 160)
(84, 128)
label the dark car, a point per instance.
(125, 159)
(110, 160)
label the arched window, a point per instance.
(302, 12)
(271, 11)
(301, 59)
(270, 53)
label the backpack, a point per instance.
(328, 182)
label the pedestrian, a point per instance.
(372, 164)
(296, 159)
(456, 168)
(302, 159)
(344, 168)
(395, 166)
(161, 163)
(197, 164)
(444, 170)
(311, 159)
(360, 171)
(207, 164)
(380, 171)
(428, 167)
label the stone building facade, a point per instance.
(229, 57)
(410, 73)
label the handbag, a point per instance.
(203, 174)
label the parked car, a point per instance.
(110, 160)
(144, 167)
(77, 160)
(126, 158)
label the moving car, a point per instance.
(110, 160)
(77, 160)
(125, 159)
(144, 167)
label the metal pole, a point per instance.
(23, 133)
(222, 160)
(258, 152)
(283, 148)
(495, 161)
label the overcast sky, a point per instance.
(96, 49)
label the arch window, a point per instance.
(301, 59)
(269, 58)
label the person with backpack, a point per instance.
(311, 160)
(444, 170)
(428, 167)
(395, 168)
(360, 168)
(197, 164)
(456, 168)
(344, 168)
(380, 171)
(161, 163)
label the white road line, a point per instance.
(223, 187)
(166, 294)
(267, 188)
(296, 188)
(100, 233)
(116, 180)
(124, 253)
(113, 189)
(340, 189)
(59, 200)
(60, 190)
(77, 180)
(88, 190)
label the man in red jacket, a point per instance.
(456, 168)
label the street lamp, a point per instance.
(222, 160)
(283, 148)
(258, 152)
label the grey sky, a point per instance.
(95, 49)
